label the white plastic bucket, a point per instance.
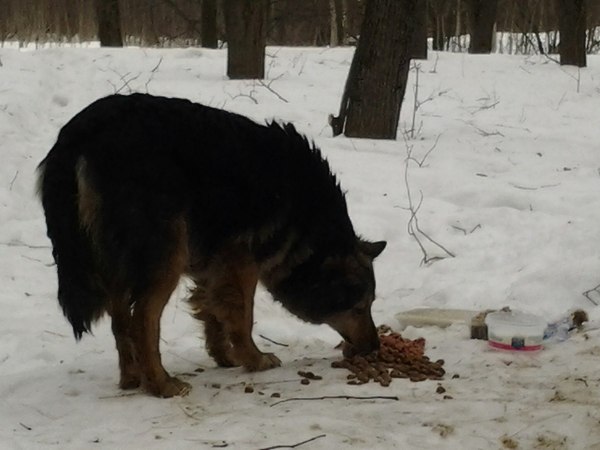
(515, 331)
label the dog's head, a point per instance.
(339, 291)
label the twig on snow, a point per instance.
(126, 394)
(13, 181)
(422, 161)
(152, 72)
(124, 80)
(268, 87)
(465, 232)
(344, 397)
(272, 341)
(295, 445)
(413, 223)
(21, 244)
(587, 294)
(533, 188)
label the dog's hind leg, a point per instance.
(218, 344)
(149, 302)
(120, 312)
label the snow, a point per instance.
(512, 188)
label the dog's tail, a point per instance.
(79, 293)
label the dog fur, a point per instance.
(139, 191)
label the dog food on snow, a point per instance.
(397, 358)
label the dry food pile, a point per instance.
(396, 358)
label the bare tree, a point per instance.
(376, 83)
(572, 25)
(246, 28)
(337, 22)
(109, 23)
(482, 17)
(419, 39)
(209, 24)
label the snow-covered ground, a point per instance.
(512, 188)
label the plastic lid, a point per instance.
(514, 318)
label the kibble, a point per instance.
(396, 358)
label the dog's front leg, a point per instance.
(236, 315)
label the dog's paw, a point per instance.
(129, 381)
(171, 387)
(264, 361)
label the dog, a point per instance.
(139, 191)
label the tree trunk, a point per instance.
(481, 16)
(419, 39)
(246, 28)
(109, 23)
(572, 25)
(209, 24)
(336, 23)
(376, 83)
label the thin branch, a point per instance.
(125, 81)
(427, 153)
(21, 244)
(343, 397)
(272, 341)
(152, 72)
(13, 181)
(268, 87)
(587, 294)
(413, 222)
(295, 445)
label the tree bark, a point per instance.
(109, 23)
(208, 28)
(376, 83)
(482, 17)
(246, 29)
(572, 25)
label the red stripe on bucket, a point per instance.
(527, 348)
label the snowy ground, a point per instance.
(512, 188)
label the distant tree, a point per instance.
(208, 29)
(572, 25)
(420, 34)
(336, 36)
(376, 83)
(109, 23)
(482, 17)
(439, 17)
(246, 30)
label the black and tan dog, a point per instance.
(139, 191)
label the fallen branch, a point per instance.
(268, 87)
(533, 188)
(12, 182)
(410, 147)
(272, 341)
(152, 72)
(587, 294)
(295, 445)
(343, 397)
(124, 80)
(465, 232)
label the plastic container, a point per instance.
(439, 317)
(515, 331)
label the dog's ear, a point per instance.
(371, 249)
